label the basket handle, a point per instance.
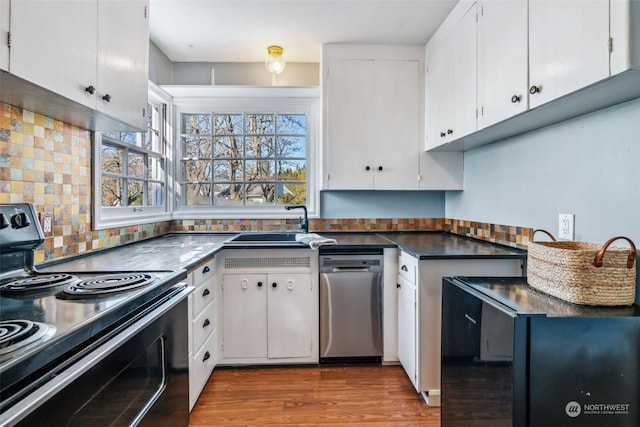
(597, 261)
(553, 239)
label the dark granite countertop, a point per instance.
(185, 250)
(442, 245)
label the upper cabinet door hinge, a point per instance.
(9, 38)
(146, 15)
(610, 44)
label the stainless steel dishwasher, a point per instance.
(351, 306)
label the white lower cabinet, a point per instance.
(269, 307)
(202, 328)
(420, 312)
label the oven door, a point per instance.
(138, 377)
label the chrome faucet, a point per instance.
(304, 222)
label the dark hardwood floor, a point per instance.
(312, 396)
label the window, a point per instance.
(131, 186)
(245, 155)
(243, 159)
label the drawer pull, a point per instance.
(206, 356)
(404, 268)
(206, 323)
(206, 269)
(205, 292)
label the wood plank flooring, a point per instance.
(323, 395)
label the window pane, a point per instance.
(135, 165)
(129, 137)
(291, 146)
(196, 124)
(196, 147)
(228, 170)
(259, 147)
(292, 124)
(155, 168)
(292, 170)
(228, 124)
(197, 194)
(152, 141)
(155, 195)
(291, 193)
(258, 124)
(229, 194)
(111, 159)
(135, 193)
(260, 170)
(196, 170)
(228, 147)
(260, 193)
(111, 189)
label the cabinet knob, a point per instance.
(206, 269)
(535, 89)
(259, 284)
(515, 99)
(206, 356)
(398, 285)
(380, 168)
(449, 131)
(205, 292)
(107, 98)
(206, 323)
(404, 268)
(442, 134)
(367, 168)
(90, 89)
(274, 284)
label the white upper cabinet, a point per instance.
(502, 60)
(372, 117)
(123, 60)
(568, 47)
(83, 62)
(4, 34)
(450, 88)
(54, 45)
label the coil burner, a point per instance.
(36, 283)
(17, 334)
(107, 284)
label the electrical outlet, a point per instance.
(46, 220)
(565, 226)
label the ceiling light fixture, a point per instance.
(274, 62)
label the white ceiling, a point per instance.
(241, 30)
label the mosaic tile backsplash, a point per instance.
(48, 163)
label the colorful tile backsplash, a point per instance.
(48, 163)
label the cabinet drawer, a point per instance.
(204, 280)
(202, 365)
(407, 267)
(203, 326)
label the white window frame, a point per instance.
(229, 99)
(110, 217)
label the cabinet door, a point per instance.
(289, 315)
(397, 118)
(123, 60)
(437, 80)
(461, 116)
(350, 124)
(568, 46)
(244, 316)
(4, 31)
(502, 60)
(53, 44)
(407, 333)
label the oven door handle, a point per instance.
(39, 396)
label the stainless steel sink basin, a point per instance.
(263, 239)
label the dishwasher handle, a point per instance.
(350, 269)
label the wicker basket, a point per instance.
(583, 273)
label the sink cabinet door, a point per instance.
(407, 333)
(245, 315)
(289, 315)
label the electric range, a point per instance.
(50, 322)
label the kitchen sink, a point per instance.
(263, 239)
